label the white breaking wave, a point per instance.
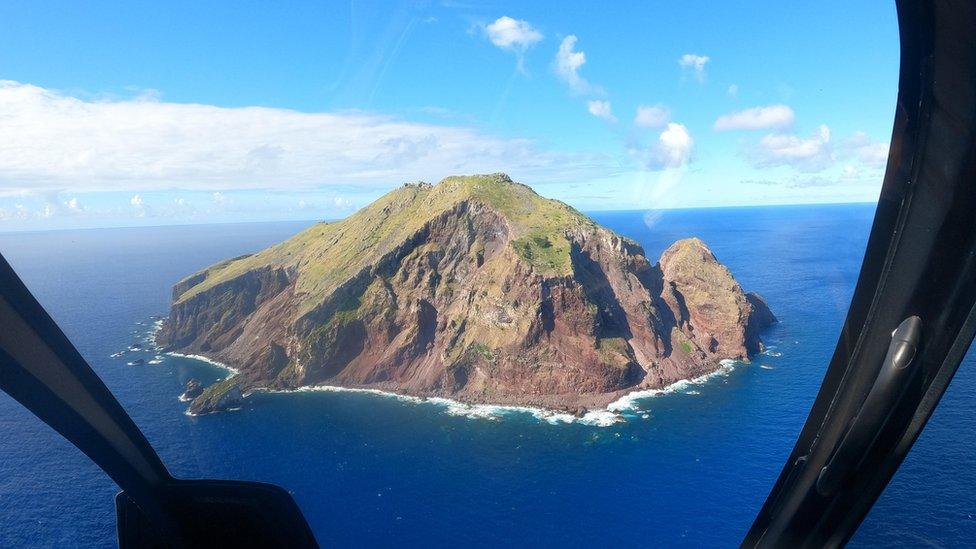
(599, 418)
(158, 324)
(209, 361)
(628, 402)
(190, 414)
(151, 336)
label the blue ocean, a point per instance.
(691, 468)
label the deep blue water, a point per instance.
(373, 471)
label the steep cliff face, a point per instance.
(476, 288)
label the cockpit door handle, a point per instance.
(885, 394)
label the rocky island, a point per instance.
(476, 289)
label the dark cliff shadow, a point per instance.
(612, 318)
(664, 320)
(335, 351)
(547, 309)
(426, 324)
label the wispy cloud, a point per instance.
(53, 141)
(757, 118)
(655, 116)
(695, 64)
(601, 109)
(867, 150)
(17, 212)
(809, 154)
(861, 155)
(567, 66)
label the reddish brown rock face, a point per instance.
(457, 308)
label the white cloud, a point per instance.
(875, 154)
(870, 152)
(21, 211)
(601, 109)
(139, 204)
(567, 66)
(512, 34)
(810, 155)
(672, 149)
(54, 206)
(218, 198)
(733, 90)
(52, 141)
(695, 64)
(342, 203)
(652, 116)
(757, 118)
(862, 155)
(675, 143)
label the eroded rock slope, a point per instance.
(475, 288)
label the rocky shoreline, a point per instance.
(548, 410)
(477, 290)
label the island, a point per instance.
(476, 289)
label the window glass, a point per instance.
(452, 273)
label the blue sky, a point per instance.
(137, 113)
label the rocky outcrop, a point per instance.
(706, 298)
(219, 397)
(477, 289)
(192, 390)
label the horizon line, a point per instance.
(183, 224)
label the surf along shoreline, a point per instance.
(618, 411)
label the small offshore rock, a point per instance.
(192, 390)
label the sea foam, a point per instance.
(606, 417)
(492, 412)
(628, 402)
(209, 361)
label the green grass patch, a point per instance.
(327, 254)
(549, 253)
(614, 351)
(483, 351)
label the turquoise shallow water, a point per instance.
(377, 471)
